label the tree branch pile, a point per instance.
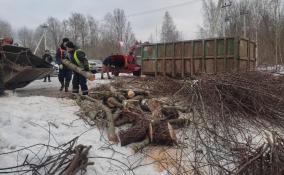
(266, 159)
(229, 116)
(147, 117)
(227, 112)
(233, 112)
(256, 97)
(68, 160)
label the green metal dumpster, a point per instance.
(210, 56)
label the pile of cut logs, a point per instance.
(148, 120)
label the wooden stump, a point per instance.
(170, 113)
(155, 107)
(137, 133)
(127, 116)
(162, 133)
(113, 102)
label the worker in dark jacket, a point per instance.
(1, 71)
(116, 61)
(1, 79)
(78, 57)
(48, 58)
(107, 62)
(65, 74)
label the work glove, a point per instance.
(60, 66)
(86, 65)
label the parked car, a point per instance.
(95, 66)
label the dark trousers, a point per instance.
(79, 80)
(47, 77)
(65, 76)
(1, 81)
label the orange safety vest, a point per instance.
(61, 54)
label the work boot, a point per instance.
(44, 80)
(66, 86)
(62, 86)
(74, 91)
(85, 93)
(3, 94)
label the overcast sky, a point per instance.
(187, 14)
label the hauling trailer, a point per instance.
(186, 58)
(19, 67)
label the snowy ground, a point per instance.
(31, 116)
(280, 69)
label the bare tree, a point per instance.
(74, 26)
(119, 23)
(169, 32)
(65, 28)
(258, 20)
(210, 18)
(55, 31)
(78, 27)
(97, 39)
(5, 29)
(117, 29)
(93, 31)
(25, 37)
(129, 37)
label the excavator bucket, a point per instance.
(20, 67)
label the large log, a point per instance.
(80, 160)
(162, 133)
(116, 94)
(137, 133)
(179, 108)
(159, 132)
(170, 113)
(111, 129)
(127, 116)
(138, 97)
(113, 102)
(139, 146)
(79, 70)
(130, 103)
(179, 123)
(156, 109)
(100, 95)
(116, 114)
(136, 92)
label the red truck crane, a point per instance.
(130, 62)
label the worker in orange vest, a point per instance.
(3, 42)
(65, 74)
(1, 77)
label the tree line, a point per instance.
(97, 38)
(258, 20)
